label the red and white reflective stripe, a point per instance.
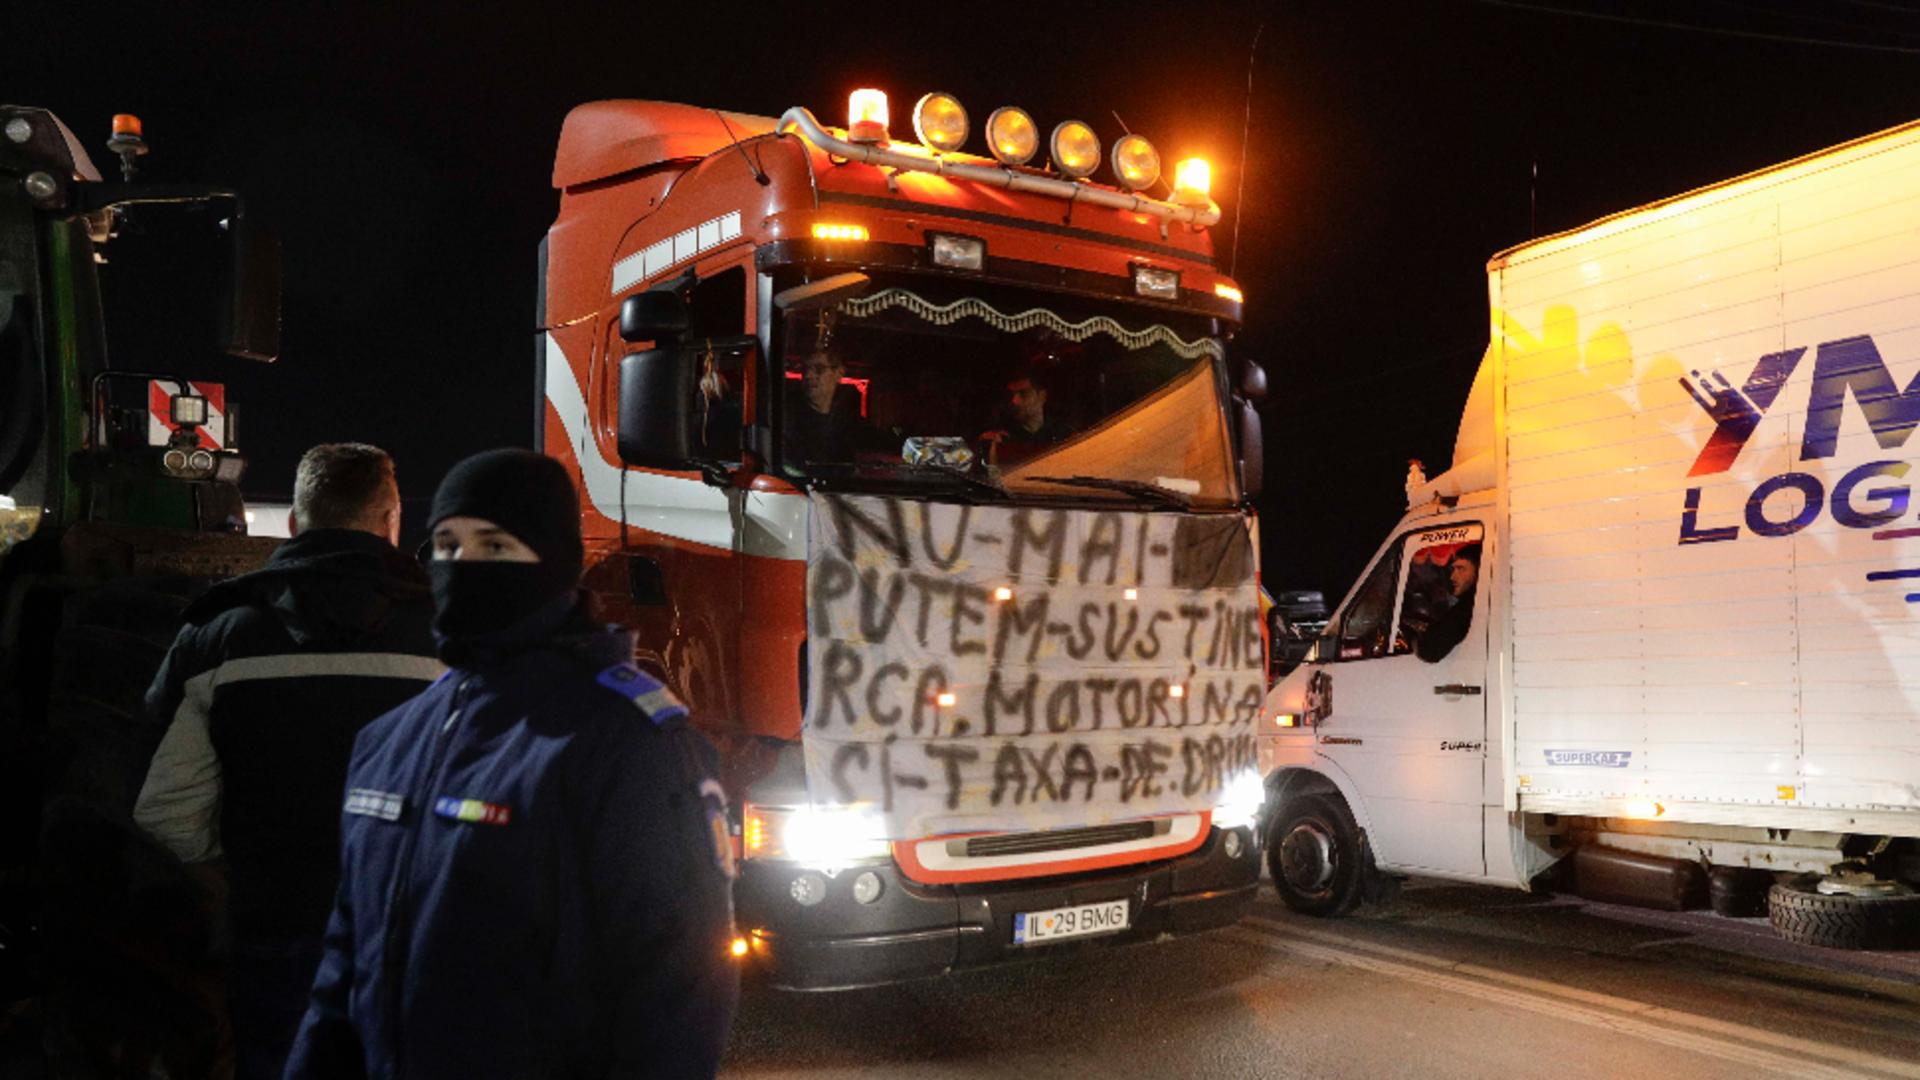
(160, 425)
(931, 861)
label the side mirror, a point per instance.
(1324, 648)
(1253, 382)
(655, 430)
(657, 315)
(1253, 457)
(249, 319)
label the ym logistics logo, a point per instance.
(1849, 365)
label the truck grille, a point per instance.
(1027, 843)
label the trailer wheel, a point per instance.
(1802, 914)
(1315, 856)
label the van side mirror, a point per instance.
(657, 315)
(655, 428)
(249, 317)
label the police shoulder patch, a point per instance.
(648, 693)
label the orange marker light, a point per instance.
(738, 948)
(945, 700)
(1227, 292)
(826, 230)
(1192, 179)
(1130, 594)
(126, 124)
(1003, 594)
(1286, 719)
(867, 116)
(1176, 691)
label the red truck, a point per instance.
(926, 479)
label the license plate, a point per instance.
(1081, 920)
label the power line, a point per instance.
(1722, 31)
(1795, 16)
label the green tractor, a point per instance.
(119, 496)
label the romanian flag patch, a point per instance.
(472, 811)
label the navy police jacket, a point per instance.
(535, 882)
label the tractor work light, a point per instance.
(1012, 136)
(958, 252)
(940, 122)
(188, 410)
(1191, 180)
(830, 230)
(1136, 164)
(1154, 282)
(867, 116)
(1075, 149)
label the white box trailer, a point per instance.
(1667, 598)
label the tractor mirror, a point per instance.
(656, 427)
(249, 319)
(657, 315)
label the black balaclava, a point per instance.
(484, 609)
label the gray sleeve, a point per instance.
(179, 803)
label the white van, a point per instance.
(1666, 601)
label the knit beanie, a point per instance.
(529, 495)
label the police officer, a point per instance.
(535, 867)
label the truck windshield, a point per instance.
(1033, 394)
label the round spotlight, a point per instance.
(1012, 136)
(808, 889)
(1232, 843)
(1136, 164)
(866, 887)
(940, 122)
(1075, 149)
(200, 461)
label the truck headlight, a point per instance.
(1240, 802)
(812, 836)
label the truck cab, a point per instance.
(926, 479)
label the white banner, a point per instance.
(992, 668)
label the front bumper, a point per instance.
(913, 931)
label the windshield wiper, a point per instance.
(1153, 493)
(977, 483)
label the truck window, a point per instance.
(1366, 630)
(1443, 575)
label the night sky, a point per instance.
(403, 153)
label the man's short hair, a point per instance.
(1469, 552)
(341, 485)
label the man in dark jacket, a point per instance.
(262, 695)
(535, 864)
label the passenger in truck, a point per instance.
(1450, 627)
(1026, 428)
(823, 421)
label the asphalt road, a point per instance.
(1445, 981)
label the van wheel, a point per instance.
(1800, 913)
(1314, 855)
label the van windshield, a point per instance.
(1035, 394)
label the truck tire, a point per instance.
(1315, 855)
(1801, 914)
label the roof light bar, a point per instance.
(1201, 212)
